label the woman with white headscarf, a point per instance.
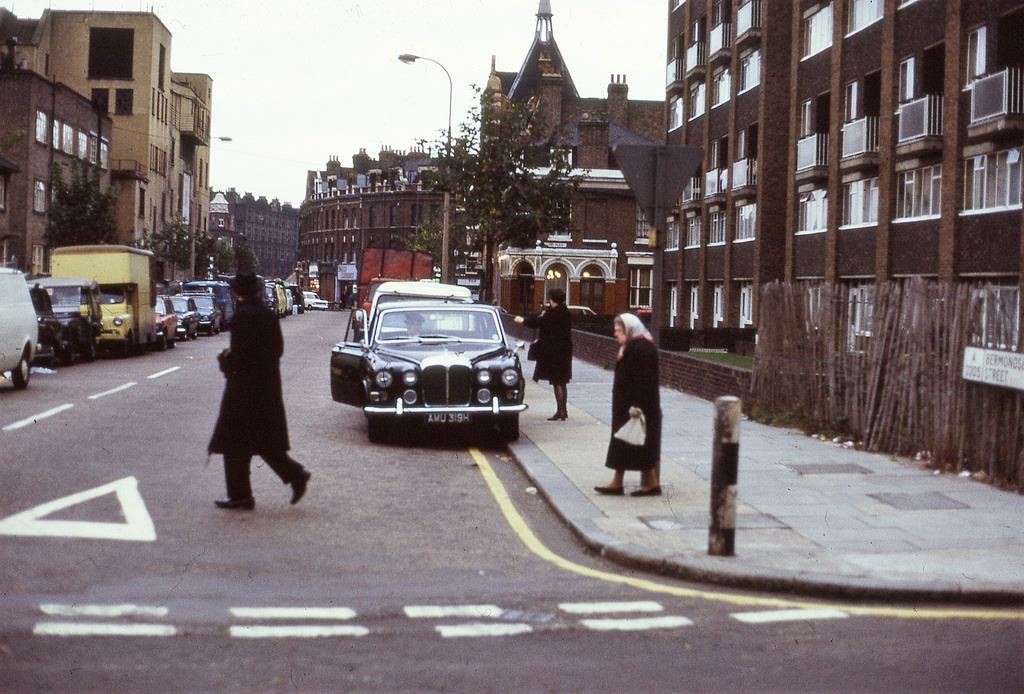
(635, 386)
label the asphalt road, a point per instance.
(404, 569)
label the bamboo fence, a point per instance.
(884, 367)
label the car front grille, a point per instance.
(447, 385)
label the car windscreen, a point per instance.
(438, 324)
(112, 294)
(204, 302)
(180, 303)
(66, 297)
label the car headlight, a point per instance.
(483, 396)
(409, 397)
(409, 378)
(384, 379)
(483, 377)
(118, 321)
(510, 377)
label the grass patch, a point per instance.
(724, 358)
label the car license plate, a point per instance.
(447, 417)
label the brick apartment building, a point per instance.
(120, 61)
(851, 141)
(268, 227)
(41, 123)
(603, 259)
(375, 203)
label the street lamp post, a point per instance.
(446, 243)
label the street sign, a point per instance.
(657, 174)
(994, 367)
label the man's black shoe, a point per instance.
(236, 504)
(299, 486)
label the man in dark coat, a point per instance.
(553, 348)
(252, 419)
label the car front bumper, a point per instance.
(399, 409)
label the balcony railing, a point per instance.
(1000, 94)
(672, 72)
(719, 38)
(748, 17)
(812, 151)
(744, 173)
(920, 118)
(860, 136)
(695, 56)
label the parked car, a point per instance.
(166, 323)
(48, 338)
(439, 364)
(76, 304)
(18, 328)
(188, 316)
(220, 290)
(270, 297)
(296, 294)
(211, 319)
(313, 302)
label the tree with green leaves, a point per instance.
(171, 244)
(504, 197)
(218, 249)
(80, 212)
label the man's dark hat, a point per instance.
(246, 284)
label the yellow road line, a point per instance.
(533, 543)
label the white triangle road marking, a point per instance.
(138, 525)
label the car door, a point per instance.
(348, 365)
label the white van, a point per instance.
(18, 327)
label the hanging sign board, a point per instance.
(994, 367)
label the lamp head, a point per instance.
(408, 58)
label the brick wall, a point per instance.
(677, 370)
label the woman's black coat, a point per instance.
(554, 344)
(252, 419)
(636, 385)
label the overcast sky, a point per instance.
(298, 81)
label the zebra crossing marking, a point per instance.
(449, 631)
(263, 631)
(636, 624)
(293, 612)
(442, 611)
(770, 616)
(126, 610)
(102, 629)
(610, 607)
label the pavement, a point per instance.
(813, 517)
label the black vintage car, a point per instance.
(211, 318)
(76, 305)
(188, 316)
(48, 340)
(439, 364)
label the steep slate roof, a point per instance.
(527, 78)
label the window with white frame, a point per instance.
(696, 101)
(640, 286)
(68, 143)
(673, 304)
(83, 145)
(992, 181)
(750, 70)
(860, 313)
(818, 31)
(860, 202)
(919, 192)
(717, 228)
(977, 45)
(56, 130)
(851, 107)
(998, 319)
(721, 84)
(906, 80)
(93, 148)
(746, 221)
(806, 117)
(694, 305)
(3, 196)
(672, 236)
(813, 211)
(104, 154)
(862, 13)
(693, 229)
(39, 196)
(41, 127)
(746, 304)
(643, 229)
(718, 304)
(675, 113)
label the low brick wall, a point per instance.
(678, 370)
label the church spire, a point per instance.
(544, 31)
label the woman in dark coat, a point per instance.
(635, 385)
(252, 419)
(553, 348)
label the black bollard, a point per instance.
(724, 472)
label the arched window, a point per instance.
(592, 288)
(556, 276)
